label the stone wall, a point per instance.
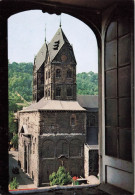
(62, 138)
(62, 122)
(57, 150)
(63, 81)
(28, 143)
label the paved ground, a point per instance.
(24, 180)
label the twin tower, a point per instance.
(54, 71)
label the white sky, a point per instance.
(26, 35)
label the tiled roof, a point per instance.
(88, 101)
(52, 105)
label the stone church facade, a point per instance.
(52, 130)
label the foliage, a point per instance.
(19, 91)
(87, 83)
(14, 141)
(20, 81)
(60, 178)
(14, 184)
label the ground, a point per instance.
(24, 180)
(26, 183)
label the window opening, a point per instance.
(58, 73)
(69, 92)
(69, 74)
(58, 91)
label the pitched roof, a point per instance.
(54, 47)
(54, 105)
(56, 43)
(41, 56)
(88, 101)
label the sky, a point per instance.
(26, 35)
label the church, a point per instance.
(52, 130)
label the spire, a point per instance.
(60, 22)
(45, 33)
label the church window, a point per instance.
(46, 75)
(69, 91)
(58, 73)
(73, 120)
(69, 74)
(58, 91)
(48, 92)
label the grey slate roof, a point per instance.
(56, 105)
(88, 101)
(59, 40)
(41, 56)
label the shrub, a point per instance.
(60, 178)
(14, 184)
(15, 141)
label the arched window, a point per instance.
(69, 91)
(58, 91)
(73, 120)
(58, 73)
(69, 74)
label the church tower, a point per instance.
(55, 70)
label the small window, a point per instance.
(58, 73)
(73, 120)
(46, 75)
(58, 91)
(69, 92)
(69, 74)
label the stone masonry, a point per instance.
(52, 131)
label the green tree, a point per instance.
(14, 141)
(60, 178)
